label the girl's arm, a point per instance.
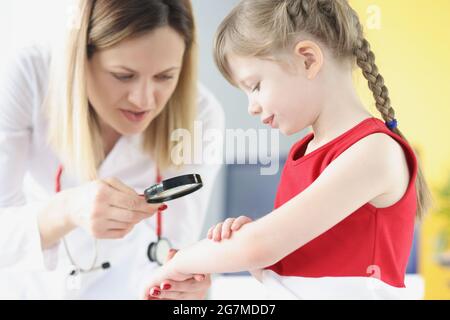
(366, 170)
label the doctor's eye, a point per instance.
(122, 77)
(164, 77)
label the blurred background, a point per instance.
(410, 39)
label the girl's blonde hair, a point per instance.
(74, 131)
(266, 28)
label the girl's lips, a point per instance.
(134, 116)
(269, 120)
(273, 124)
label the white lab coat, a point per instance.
(27, 173)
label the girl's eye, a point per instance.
(123, 77)
(257, 87)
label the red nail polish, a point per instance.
(155, 292)
(163, 207)
(166, 286)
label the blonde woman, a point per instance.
(96, 124)
(350, 191)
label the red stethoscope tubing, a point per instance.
(158, 214)
(158, 180)
(58, 179)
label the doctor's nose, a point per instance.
(143, 96)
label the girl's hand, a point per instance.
(169, 284)
(224, 229)
(107, 209)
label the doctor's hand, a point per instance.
(166, 284)
(223, 230)
(107, 208)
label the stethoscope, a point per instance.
(162, 191)
(75, 268)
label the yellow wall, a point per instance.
(412, 47)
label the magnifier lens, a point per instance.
(173, 188)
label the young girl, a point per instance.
(349, 193)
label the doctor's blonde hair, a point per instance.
(267, 28)
(74, 131)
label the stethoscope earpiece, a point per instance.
(104, 266)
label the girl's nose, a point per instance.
(143, 96)
(254, 109)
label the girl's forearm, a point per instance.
(239, 253)
(255, 245)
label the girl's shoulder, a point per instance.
(390, 160)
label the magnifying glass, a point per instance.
(173, 188)
(163, 191)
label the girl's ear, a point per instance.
(311, 57)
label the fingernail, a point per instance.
(166, 286)
(163, 207)
(155, 292)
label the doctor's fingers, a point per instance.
(119, 185)
(131, 202)
(108, 231)
(168, 287)
(127, 216)
(171, 295)
(116, 233)
(117, 225)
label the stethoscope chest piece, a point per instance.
(159, 250)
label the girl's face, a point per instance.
(129, 84)
(281, 95)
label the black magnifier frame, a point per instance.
(151, 194)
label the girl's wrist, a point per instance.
(171, 265)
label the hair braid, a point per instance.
(365, 58)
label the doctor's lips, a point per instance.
(134, 116)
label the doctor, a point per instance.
(95, 124)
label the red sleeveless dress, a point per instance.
(371, 242)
